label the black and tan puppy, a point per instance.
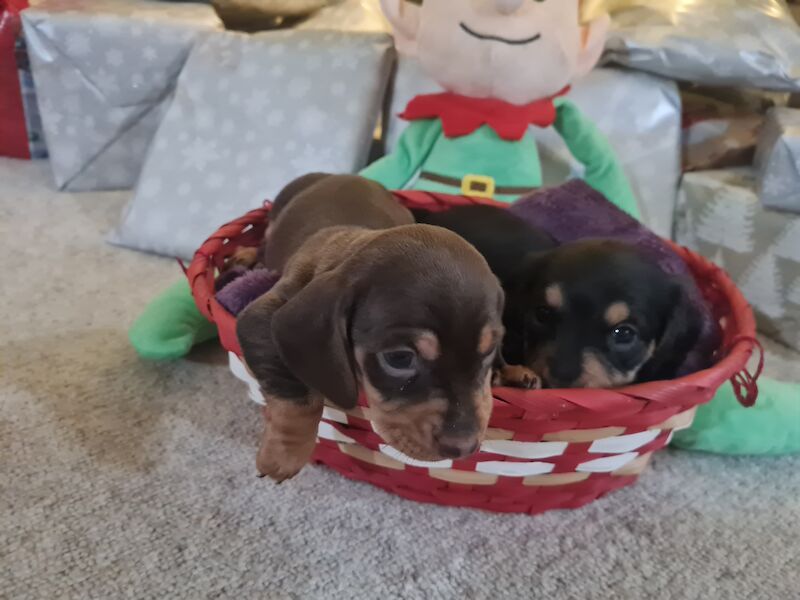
(586, 314)
(597, 314)
(411, 314)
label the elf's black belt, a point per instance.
(480, 186)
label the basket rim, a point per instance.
(248, 230)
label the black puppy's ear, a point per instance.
(420, 215)
(679, 337)
(530, 269)
(311, 334)
(518, 287)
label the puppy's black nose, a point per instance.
(458, 448)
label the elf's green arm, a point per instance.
(594, 152)
(396, 169)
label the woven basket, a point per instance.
(545, 449)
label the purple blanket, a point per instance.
(239, 287)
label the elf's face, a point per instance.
(514, 50)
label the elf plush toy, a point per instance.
(506, 65)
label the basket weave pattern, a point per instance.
(545, 449)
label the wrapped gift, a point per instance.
(104, 72)
(721, 217)
(778, 160)
(19, 135)
(251, 113)
(748, 43)
(639, 114)
(33, 121)
(721, 125)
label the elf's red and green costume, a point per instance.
(484, 147)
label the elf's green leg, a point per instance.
(724, 426)
(170, 325)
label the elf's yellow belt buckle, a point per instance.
(478, 186)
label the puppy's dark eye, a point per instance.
(624, 336)
(398, 362)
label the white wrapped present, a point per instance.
(721, 217)
(104, 73)
(778, 160)
(251, 113)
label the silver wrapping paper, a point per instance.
(104, 73)
(721, 217)
(778, 160)
(640, 114)
(251, 113)
(754, 43)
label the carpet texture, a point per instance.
(126, 479)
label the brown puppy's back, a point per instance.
(330, 201)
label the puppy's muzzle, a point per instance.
(458, 446)
(562, 373)
(460, 438)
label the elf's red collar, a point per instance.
(462, 115)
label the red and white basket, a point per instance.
(545, 449)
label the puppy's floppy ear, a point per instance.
(292, 189)
(517, 304)
(680, 335)
(311, 334)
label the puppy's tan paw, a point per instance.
(290, 435)
(244, 256)
(516, 376)
(280, 461)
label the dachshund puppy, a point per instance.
(501, 237)
(411, 314)
(505, 241)
(586, 314)
(597, 314)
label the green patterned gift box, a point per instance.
(720, 216)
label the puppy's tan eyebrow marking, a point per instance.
(487, 340)
(554, 296)
(617, 313)
(427, 345)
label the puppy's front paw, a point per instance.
(279, 460)
(290, 435)
(516, 376)
(244, 256)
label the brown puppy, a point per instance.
(411, 314)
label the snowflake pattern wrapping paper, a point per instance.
(104, 73)
(778, 160)
(640, 114)
(721, 217)
(251, 113)
(748, 43)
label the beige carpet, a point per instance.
(126, 479)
